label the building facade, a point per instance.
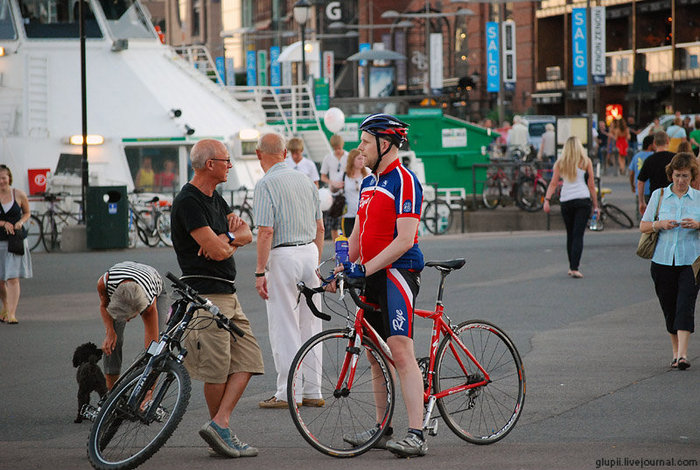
(652, 50)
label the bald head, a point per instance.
(271, 143)
(204, 150)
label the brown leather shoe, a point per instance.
(314, 402)
(273, 402)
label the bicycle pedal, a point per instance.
(89, 412)
(432, 428)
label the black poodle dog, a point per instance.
(90, 377)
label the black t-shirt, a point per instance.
(191, 210)
(654, 170)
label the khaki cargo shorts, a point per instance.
(212, 353)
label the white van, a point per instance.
(535, 127)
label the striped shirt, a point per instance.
(145, 276)
(287, 201)
(678, 246)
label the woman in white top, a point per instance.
(577, 196)
(355, 172)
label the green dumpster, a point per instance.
(107, 212)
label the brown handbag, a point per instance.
(647, 242)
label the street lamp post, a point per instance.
(302, 10)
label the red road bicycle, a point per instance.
(474, 374)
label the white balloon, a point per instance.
(326, 198)
(334, 119)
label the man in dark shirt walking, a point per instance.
(654, 169)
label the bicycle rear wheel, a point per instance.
(122, 437)
(485, 414)
(338, 427)
(491, 194)
(437, 217)
(50, 234)
(145, 228)
(618, 215)
(33, 232)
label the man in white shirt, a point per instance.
(517, 135)
(332, 173)
(298, 162)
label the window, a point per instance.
(57, 19)
(153, 168)
(126, 19)
(7, 28)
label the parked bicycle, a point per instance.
(437, 215)
(532, 187)
(143, 409)
(245, 210)
(34, 232)
(149, 220)
(610, 211)
(500, 186)
(474, 374)
(55, 218)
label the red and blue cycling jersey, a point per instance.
(396, 194)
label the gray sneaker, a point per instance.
(219, 439)
(364, 436)
(409, 446)
(243, 449)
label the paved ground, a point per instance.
(599, 389)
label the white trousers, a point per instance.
(289, 324)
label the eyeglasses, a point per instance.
(227, 160)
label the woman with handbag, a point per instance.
(677, 247)
(15, 261)
(577, 196)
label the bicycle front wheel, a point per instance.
(164, 227)
(484, 414)
(247, 217)
(530, 194)
(618, 216)
(341, 424)
(33, 232)
(437, 217)
(123, 437)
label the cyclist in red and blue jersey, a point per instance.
(384, 249)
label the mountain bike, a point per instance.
(146, 404)
(474, 374)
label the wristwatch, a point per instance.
(231, 237)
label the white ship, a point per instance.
(146, 106)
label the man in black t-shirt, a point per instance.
(205, 236)
(654, 169)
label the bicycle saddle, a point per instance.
(452, 264)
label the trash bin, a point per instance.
(107, 214)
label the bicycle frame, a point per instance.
(441, 329)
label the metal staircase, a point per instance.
(290, 108)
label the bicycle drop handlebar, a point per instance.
(351, 284)
(192, 296)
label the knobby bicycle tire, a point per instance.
(485, 414)
(617, 215)
(491, 194)
(437, 217)
(332, 428)
(120, 437)
(34, 232)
